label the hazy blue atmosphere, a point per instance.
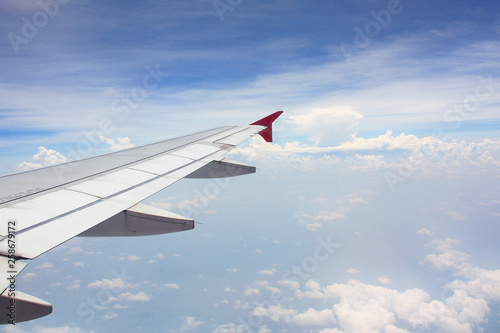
(376, 209)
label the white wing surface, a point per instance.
(100, 196)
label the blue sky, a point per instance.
(376, 210)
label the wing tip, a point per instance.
(267, 133)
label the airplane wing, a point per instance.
(100, 196)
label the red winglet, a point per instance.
(267, 133)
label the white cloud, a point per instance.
(311, 226)
(28, 166)
(358, 201)
(159, 256)
(403, 155)
(109, 316)
(45, 265)
(172, 285)
(232, 270)
(332, 125)
(251, 291)
(116, 283)
(364, 308)
(456, 215)
(359, 307)
(121, 143)
(310, 317)
(267, 271)
(273, 290)
(384, 280)
(231, 328)
(289, 284)
(425, 232)
(352, 271)
(190, 324)
(133, 258)
(28, 276)
(137, 297)
(449, 259)
(315, 221)
(187, 207)
(44, 157)
(480, 283)
(74, 250)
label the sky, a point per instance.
(376, 209)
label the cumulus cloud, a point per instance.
(363, 307)
(310, 317)
(28, 276)
(116, 283)
(449, 258)
(384, 280)
(191, 323)
(160, 256)
(119, 144)
(44, 157)
(425, 232)
(74, 250)
(232, 328)
(140, 296)
(358, 307)
(187, 207)
(313, 222)
(404, 155)
(328, 126)
(289, 284)
(251, 291)
(267, 271)
(172, 285)
(45, 265)
(456, 215)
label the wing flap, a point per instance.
(181, 173)
(222, 169)
(140, 220)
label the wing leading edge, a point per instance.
(100, 196)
